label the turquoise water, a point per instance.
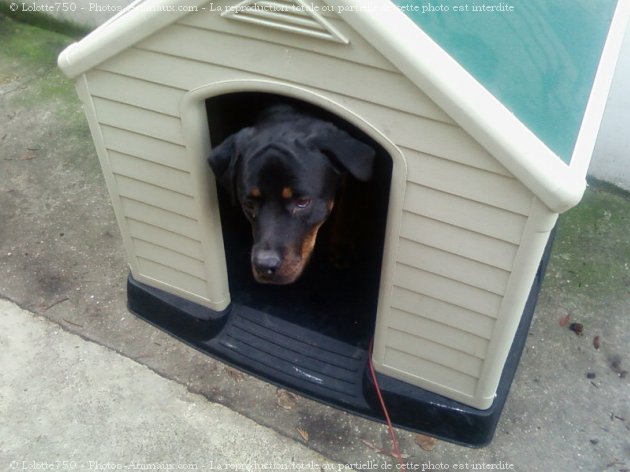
(538, 57)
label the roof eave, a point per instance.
(135, 23)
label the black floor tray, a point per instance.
(324, 368)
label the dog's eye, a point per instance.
(249, 205)
(302, 203)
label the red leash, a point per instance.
(392, 434)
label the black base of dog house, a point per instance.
(325, 368)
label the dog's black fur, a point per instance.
(285, 172)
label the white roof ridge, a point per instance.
(122, 12)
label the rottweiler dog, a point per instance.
(284, 172)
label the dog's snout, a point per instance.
(266, 262)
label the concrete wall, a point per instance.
(611, 159)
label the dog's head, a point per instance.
(285, 175)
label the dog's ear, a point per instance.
(223, 160)
(352, 155)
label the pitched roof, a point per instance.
(528, 83)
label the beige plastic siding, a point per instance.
(475, 246)
(145, 148)
(441, 311)
(463, 219)
(434, 374)
(139, 120)
(452, 266)
(152, 189)
(138, 93)
(271, 60)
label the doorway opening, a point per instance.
(335, 298)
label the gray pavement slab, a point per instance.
(67, 403)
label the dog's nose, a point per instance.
(266, 262)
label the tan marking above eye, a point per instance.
(287, 193)
(255, 192)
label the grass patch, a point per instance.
(28, 65)
(43, 21)
(33, 86)
(30, 44)
(591, 255)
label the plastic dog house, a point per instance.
(487, 120)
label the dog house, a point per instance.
(484, 119)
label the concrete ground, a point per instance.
(71, 404)
(84, 381)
